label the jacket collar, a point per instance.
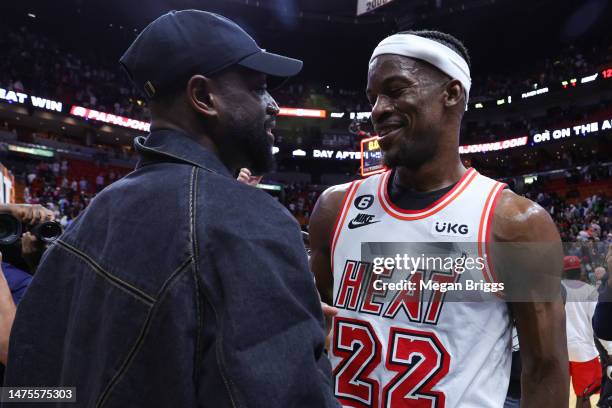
(176, 146)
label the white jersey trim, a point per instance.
(484, 230)
(344, 210)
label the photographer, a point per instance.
(14, 280)
(22, 257)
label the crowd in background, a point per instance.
(37, 65)
(300, 199)
(585, 225)
(572, 63)
(54, 186)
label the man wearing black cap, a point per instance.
(180, 286)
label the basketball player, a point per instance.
(401, 348)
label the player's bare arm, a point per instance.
(540, 324)
(321, 227)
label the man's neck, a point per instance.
(433, 175)
(158, 124)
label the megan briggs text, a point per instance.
(468, 285)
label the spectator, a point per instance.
(99, 182)
(600, 274)
(585, 368)
(31, 178)
(83, 184)
(55, 167)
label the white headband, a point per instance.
(438, 55)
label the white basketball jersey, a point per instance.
(415, 348)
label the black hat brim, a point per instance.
(272, 64)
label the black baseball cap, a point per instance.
(189, 42)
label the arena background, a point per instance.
(539, 115)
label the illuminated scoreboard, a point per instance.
(371, 157)
(366, 6)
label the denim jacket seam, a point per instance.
(119, 283)
(196, 282)
(229, 383)
(123, 369)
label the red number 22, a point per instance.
(417, 357)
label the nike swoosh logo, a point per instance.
(353, 224)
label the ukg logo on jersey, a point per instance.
(450, 229)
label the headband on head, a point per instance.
(438, 55)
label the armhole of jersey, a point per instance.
(484, 231)
(344, 209)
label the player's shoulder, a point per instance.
(326, 211)
(330, 202)
(513, 205)
(517, 218)
(335, 194)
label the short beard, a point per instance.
(255, 148)
(410, 154)
(260, 153)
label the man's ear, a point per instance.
(454, 94)
(200, 97)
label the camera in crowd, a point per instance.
(11, 229)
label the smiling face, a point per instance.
(408, 109)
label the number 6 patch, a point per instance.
(363, 202)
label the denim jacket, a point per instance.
(177, 287)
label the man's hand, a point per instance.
(28, 214)
(328, 313)
(7, 315)
(31, 250)
(246, 177)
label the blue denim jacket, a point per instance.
(177, 287)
